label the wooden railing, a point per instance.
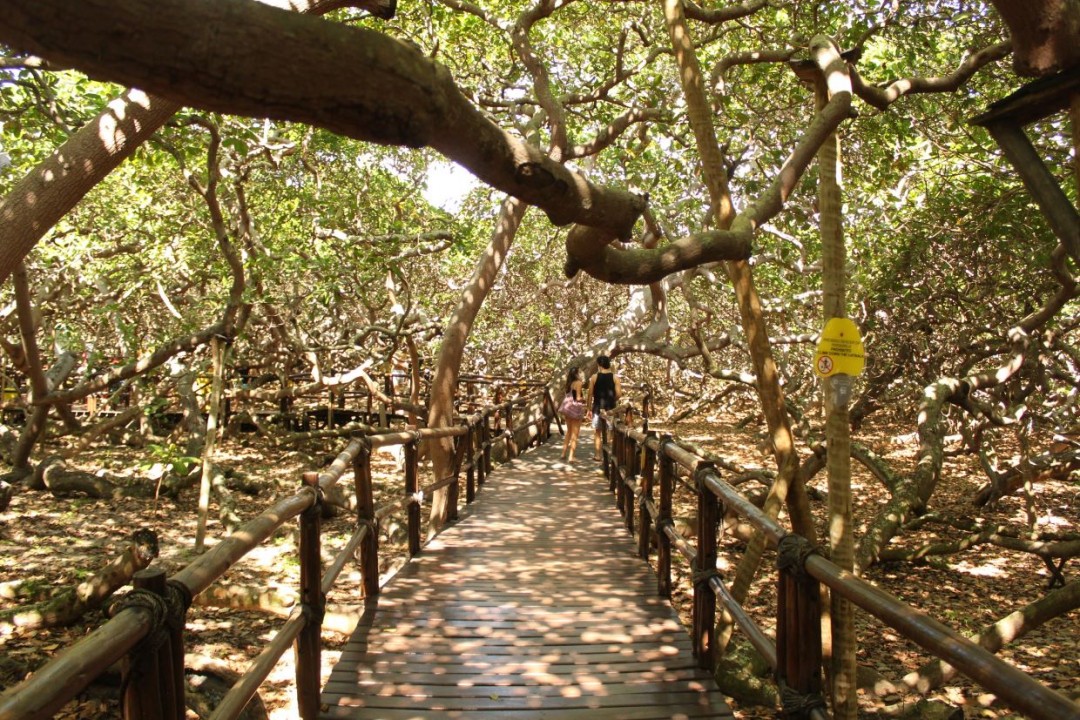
(643, 470)
(146, 630)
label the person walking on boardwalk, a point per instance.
(573, 411)
(604, 392)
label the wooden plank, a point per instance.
(339, 712)
(463, 678)
(595, 701)
(534, 606)
(497, 691)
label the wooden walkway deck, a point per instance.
(533, 607)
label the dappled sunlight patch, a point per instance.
(994, 568)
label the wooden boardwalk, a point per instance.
(533, 607)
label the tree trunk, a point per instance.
(837, 428)
(41, 383)
(218, 350)
(444, 382)
(753, 321)
(191, 426)
(1045, 34)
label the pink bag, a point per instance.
(572, 409)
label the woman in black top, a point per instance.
(604, 392)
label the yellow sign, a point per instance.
(840, 349)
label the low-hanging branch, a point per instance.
(591, 248)
(999, 536)
(244, 58)
(995, 636)
(70, 604)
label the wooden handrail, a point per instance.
(51, 686)
(234, 702)
(1017, 689)
(61, 679)
(214, 563)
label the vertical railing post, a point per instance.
(470, 465)
(146, 686)
(648, 469)
(488, 467)
(313, 605)
(705, 569)
(629, 454)
(608, 459)
(412, 486)
(511, 436)
(615, 477)
(481, 451)
(798, 630)
(178, 601)
(453, 493)
(365, 517)
(554, 413)
(147, 671)
(386, 407)
(664, 520)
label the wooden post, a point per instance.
(365, 515)
(648, 467)
(470, 466)
(453, 492)
(615, 477)
(330, 410)
(308, 645)
(798, 629)
(663, 520)
(607, 460)
(386, 409)
(481, 462)
(146, 687)
(171, 652)
(704, 595)
(630, 460)
(412, 486)
(511, 437)
(488, 467)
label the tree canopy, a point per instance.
(176, 172)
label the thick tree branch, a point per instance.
(882, 98)
(243, 58)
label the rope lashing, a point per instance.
(177, 600)
(700, 575)
(792, 552)
(369, 523)
(159, 612)
(314, 614)
(797, 704)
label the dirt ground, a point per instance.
(48, 542)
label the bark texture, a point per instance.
(1045, 34)
(441, 411)
(243, 58)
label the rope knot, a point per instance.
(797, 704)
(792, 552)
(159, 613)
